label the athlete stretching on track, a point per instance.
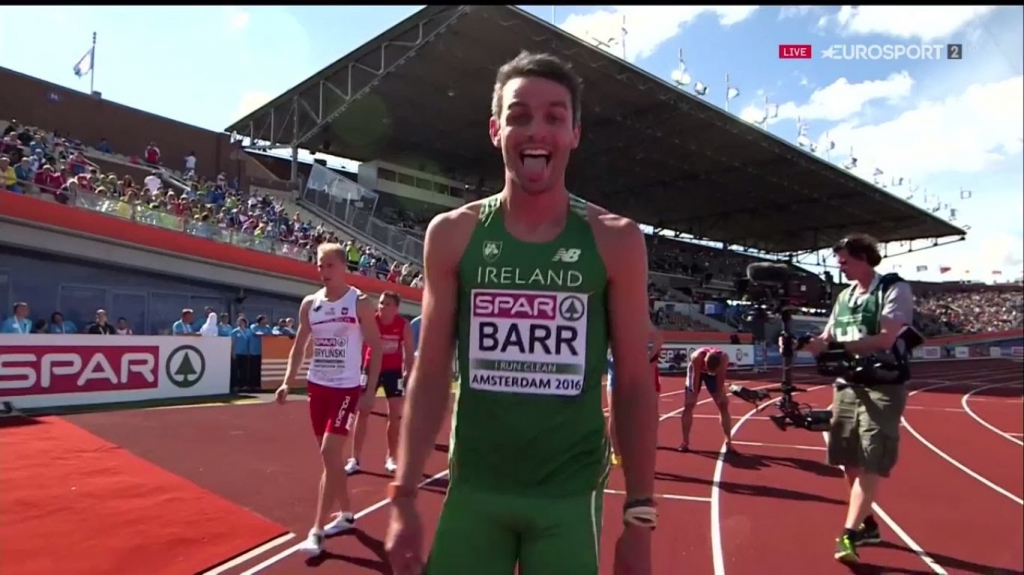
(396, 358)
(340, 320)
(707, 368)
(532, 283)
(655, 341)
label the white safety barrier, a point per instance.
(63, 370)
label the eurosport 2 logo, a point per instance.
(873, 52)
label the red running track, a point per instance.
(775, 509)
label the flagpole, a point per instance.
(553, 15)
(727, 92)
(92, 66)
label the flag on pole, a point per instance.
(84, 66)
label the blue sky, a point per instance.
(943, 125)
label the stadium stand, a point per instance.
(209, 185)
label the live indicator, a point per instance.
(795, 52)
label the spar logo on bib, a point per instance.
(528, 342)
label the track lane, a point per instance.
(952, 431)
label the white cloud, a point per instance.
(838, 101)
(648, 27)
(796, 11)
(908, 22)
(971, 132)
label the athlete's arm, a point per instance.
(365, 311)
(723, 368)
(657, 340)
(897, 312)
(298, 352)
(634, 399)
(693, 370)
(429, 388)
(408, 350)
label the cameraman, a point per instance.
(866, 319)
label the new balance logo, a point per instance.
(567, 256)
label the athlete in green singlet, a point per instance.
(533, 284)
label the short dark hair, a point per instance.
(530, 65)
(393, 296)
(860, 246)
(713, 360)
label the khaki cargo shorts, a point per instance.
(865, 431)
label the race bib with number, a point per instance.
(528, 342)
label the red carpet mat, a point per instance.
(73, 503)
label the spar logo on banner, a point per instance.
(932, 352)
(57, 370)
(43, 370)
(961, 353)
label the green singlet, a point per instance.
(866, 420)
(529, 453)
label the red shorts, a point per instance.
(657, 379)
(332, 409)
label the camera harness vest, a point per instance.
(860, 315)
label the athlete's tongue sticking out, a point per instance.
(535, 164)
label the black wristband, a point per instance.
(642, 502)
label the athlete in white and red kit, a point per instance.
(340, 320)
(396, 360)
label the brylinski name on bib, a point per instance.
(528, 341)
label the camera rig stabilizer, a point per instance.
(792, 413)
(891, 367)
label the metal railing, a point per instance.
(352, 204)
(161, 219)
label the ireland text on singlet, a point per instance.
(533, 330)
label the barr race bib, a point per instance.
(528, 342)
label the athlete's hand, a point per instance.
(281, 395)
(633, 551)
(404, 539)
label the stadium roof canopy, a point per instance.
(650, 151)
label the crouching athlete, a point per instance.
(533, 284)
(655, 342)
(707, 368)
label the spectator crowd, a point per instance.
(34, 161)
(967, 312)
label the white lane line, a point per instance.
(907, 540)
(363, 513)
(979, 419)
(783, 445)
(251, 554)
(666, 496)
(440, 475)
(717, 555)
(954, 462)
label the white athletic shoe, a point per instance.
(314, 543)
(342, 522)
(352, 466)
(390, 466)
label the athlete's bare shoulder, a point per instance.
(453, 229)
(619, 239)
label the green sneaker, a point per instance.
(846, 551)
(868, 534)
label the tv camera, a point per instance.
(891, 367)
(769, 297)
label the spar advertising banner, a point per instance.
(61, 370)
(675, 356)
